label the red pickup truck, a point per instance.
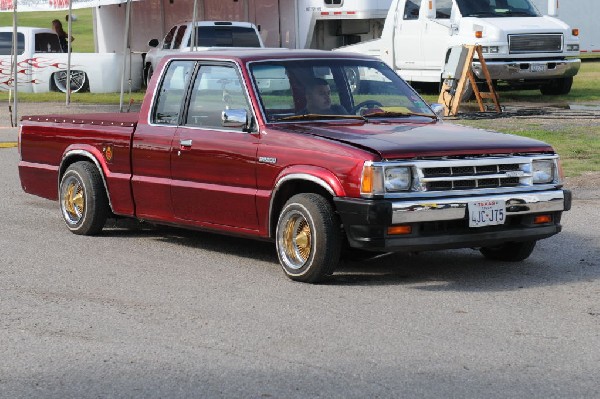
(228, 141)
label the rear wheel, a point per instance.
(308, 238)
(510, 251)
(79, 81)
(557, 87)
(83, 200)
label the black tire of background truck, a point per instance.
(308, 238)
(557, 87)
(510, 251)
(83, 201)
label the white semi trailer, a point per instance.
(318, 24)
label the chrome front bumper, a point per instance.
(456, 208)
(526, 69)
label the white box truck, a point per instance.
(522, 48)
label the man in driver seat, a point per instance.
(318, 99)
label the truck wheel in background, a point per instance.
(79, 81)
(83, 200)
(557, 87)
(308, 238)
(510, 251)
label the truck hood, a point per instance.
(410, 140)
(498, 28)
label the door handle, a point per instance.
(185, 143)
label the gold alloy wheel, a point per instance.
(297, 240)
(73, 200)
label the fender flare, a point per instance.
(317, 175)
(92, 154)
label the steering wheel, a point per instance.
(368, 104)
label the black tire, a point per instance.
(557, 87)
(510, 251)
(83, 201)
(308, 238)
(79, 81)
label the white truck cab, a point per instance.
(521, 47)
(209, 34)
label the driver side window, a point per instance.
(216, 88)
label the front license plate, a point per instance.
(538, 68)
(486, 213)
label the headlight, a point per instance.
(378, 180)
(490, 49)
(572, 47)
(397, 179)
(544, 171)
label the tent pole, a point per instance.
(15, 119)
(193, 33)
(125, 51)
(70, 32)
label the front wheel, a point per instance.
(83, 201)
(510, 251)
(308, 238)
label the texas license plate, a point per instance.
(486, 213)
(538, 68)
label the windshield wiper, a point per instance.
(518, 13)
(483, 14)
(310, 117)
(397, 114)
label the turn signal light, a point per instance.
(366, 185)
(401, 229)
(541, 219)
(478, 34)
(575, 32)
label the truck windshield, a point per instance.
(296, 90)
(497, 8)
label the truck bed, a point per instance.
(104, 138)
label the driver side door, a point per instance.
(213, 168)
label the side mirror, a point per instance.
(235, 118)
(153, 43)
(430, 12)
(438, 109)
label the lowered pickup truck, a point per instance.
(223, 143)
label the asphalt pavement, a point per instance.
(144, 312)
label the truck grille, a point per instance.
(538, 43)
(468, 177)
